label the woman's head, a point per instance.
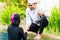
(15, 19)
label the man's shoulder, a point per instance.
(27, 9)
(40, 6)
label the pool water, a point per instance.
(3, 36)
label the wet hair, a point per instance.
(15, 19)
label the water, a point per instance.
(3, 36)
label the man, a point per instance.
(34, 12)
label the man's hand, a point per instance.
(27, 27)
(40, 13)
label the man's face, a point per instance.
(32, 6)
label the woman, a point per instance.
(14, 31)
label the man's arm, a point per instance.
(43, 11)
(40, 13)
(28, 20)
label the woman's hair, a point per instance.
(15, 18)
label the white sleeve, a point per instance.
(46, 11)
(28, 20)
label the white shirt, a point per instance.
(33, 14)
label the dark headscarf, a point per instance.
(15, 18)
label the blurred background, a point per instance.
(7, 7)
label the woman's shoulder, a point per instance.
(20, 28)
(10, 26)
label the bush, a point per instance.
(54, 25)
(5, 14)
(18, 3)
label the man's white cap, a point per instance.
(32, 1)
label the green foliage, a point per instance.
(18, 6)
(54, 25)
(18, 3)
(5, 15)
(2, 0)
